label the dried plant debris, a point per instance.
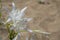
(43, 2)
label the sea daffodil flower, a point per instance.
(16, 16)
(19, 22)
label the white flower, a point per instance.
(16, 16)
(19, 23)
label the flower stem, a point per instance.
(12, 33)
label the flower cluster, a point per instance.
(19, 21)
(17, 17)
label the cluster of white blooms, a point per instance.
(16, 16)
(19, 21)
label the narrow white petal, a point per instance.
(23, 9)
(28, 19)
(14, 25)
(45, 33)
(13, 5)
(30, 30)
(42, 32)
(8, 20)
(22, 12)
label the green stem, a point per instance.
(12, 33)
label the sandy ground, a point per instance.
(46, 17)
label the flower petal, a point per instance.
(8, 20)
(28, 19)
(13, 6)
(22, 12)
